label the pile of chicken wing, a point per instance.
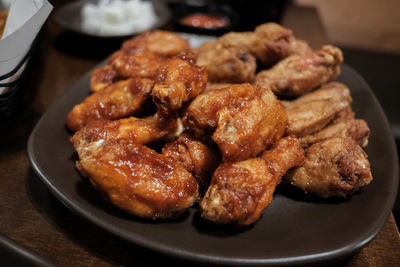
(168, 126)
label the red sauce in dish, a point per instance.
(205, 21)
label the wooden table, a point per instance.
(33, 218)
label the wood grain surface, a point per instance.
(32, 217)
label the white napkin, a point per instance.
(25, 18)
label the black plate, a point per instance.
(292, 230)
(69, 17)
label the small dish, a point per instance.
(205, 19)
(69, 17)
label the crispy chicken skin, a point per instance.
(102, 78)
(240, 191)
(177, 82)
(195, 157)
(312, 112)
(335, 167)
(138, 130)
(201, 116)
(116, 101)
(296, 74)
(226, 64)
(137, 179)
(247, 128)
(357, 130)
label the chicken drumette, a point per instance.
(335, 167)
(240, 191)
(137, 179)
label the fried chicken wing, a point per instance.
(177, 82)
(335, 167)
(357, 130)
(137, 179)
(118, 100)
(163, 43)
(247, 128)
(142, 55)
(313, 111)
(273, 43)
(240, 191)
(296, 74)
(234, 56)
(201, 115)
(138, 130)
(223, 64)
(136, 63)
(195, 157)
(102, 78)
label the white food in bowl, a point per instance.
(118, 17)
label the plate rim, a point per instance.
(192, 256)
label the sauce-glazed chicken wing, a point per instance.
(137, 179)
(102, 77)
(141, 56)
(177, 82)
(138, 130)
(118, 100)
(247, 128)
(163, 43)
(195, 157)
(240, 191)
(201, 116)
(297, 74)
(335, 167)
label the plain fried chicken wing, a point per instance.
(137, 179)
(177, 82)
(118, 100)
(195, 157)
(223, 64)
(269, 43)
(247, 128)
(335, 167)
(296, 74)
(312, 112)
(357, 130)
(240, 191)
